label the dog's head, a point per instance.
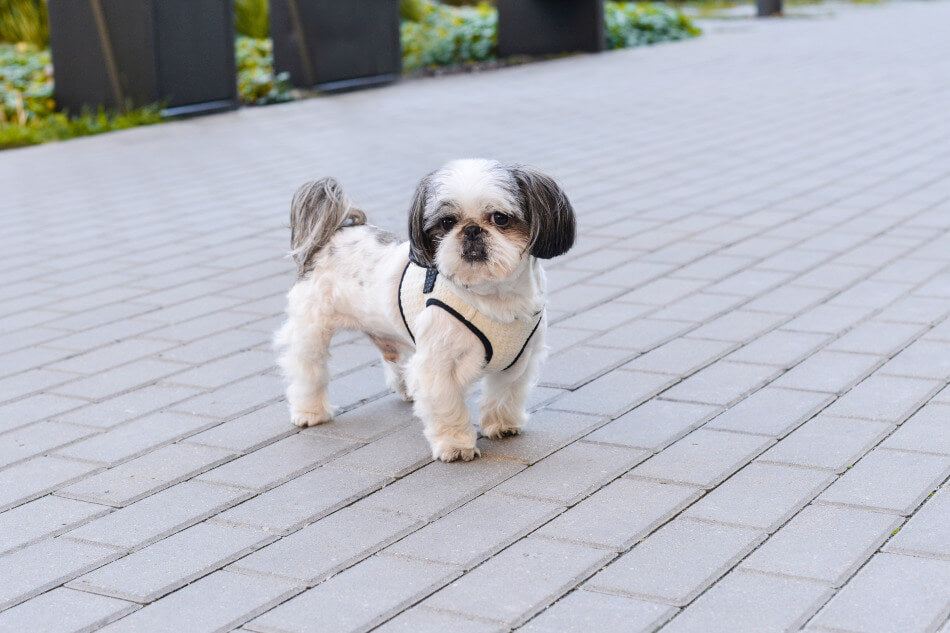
(478, 221)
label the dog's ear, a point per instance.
(548, 212)
(421, 245)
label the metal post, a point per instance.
(767, 8)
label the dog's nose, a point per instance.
(472, 231)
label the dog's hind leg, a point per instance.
(393, 366)
(304, 362)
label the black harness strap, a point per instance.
(468, 324)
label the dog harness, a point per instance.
(504, 343)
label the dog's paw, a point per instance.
(495, 428)
(304, 419)
(454, 454)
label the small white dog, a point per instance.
(462, 300)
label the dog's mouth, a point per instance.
(474, 255)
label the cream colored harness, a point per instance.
(504, 343)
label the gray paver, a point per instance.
(547, 431)
(136, 479)
(780, 347)
(368, 422)
(477, 530)
(159, 515)
(37, 438)
(926, 532)
(358, 599)
(614, 393)
(828, 442)
(393, 455)
(675, 563)
(237, 598)
(64, 611)
(888, 398)
(681, 356)
(278, 462)
(573, 472)
(303, 500)
(770, 411)
(760, 495)
(35, 477)
(703, 458)
(34, 569)
(331, 544)
(721, 383)
(926, 431)
(621, 513)
(420, 620)
(889, 480)
(520, 580)
(654, 424)
(750, 603)
(824, 543)
(832, 372)
(584, 611)
(160, 568)
(46, 516)
(250, 431)
(891, 593)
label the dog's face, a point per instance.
(478, 221)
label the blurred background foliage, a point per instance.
(434, 34)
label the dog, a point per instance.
(462, 300)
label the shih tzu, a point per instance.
(463, 299)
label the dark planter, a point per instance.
(542, 27)
(117, 52)
(766, 8)
(336, 44)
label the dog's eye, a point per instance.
(500, 219)
(448, 223)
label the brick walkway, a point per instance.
(746, 397)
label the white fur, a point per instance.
(354, 285)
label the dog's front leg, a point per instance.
(446, 363)
(504, 393)
(304, 362)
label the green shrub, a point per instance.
(26, 83)
(636, 24)
(24, 21)
(449, 35)
(58, 126)
(252, 18)
(257, 83)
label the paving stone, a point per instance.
(250, 431)
(925, 533)
(303, 500)
(439, 488)
(924, 359)
(573, 472)
(584, 611)
(738, 326)
(889, 480)
(114, 381)
(368, 422)
(681, 356)
(823, 543)
(887, 398)
(642, 334)
(760, 496)
(703, 458)
(925, 431)
(476, 531)
(127, 406)
(39, 567)
(393, 455)
(876, 337)
(135, 438)
(357, 599)
(150, 573)
(126, 483)
(64, 611)
(420, 620)
(603, 317)
(621, 513)
(654, 425)
(827, 319)
(159, 515)
(521, 580)
(39, 437)
(278, 462)
(614, 393)
(828, 442)
(831, 372)
(236, 398)
(548, 430)
(770, 411)
(579, 364)
(329, 545)
(782, 348)
(721, 383)
(37, 476)
(35, 408)
(43, 517)
(677, 562)
(750, 603)
(697, 307)
(891, 593)
(237, 598)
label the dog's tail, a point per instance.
(318, 210)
